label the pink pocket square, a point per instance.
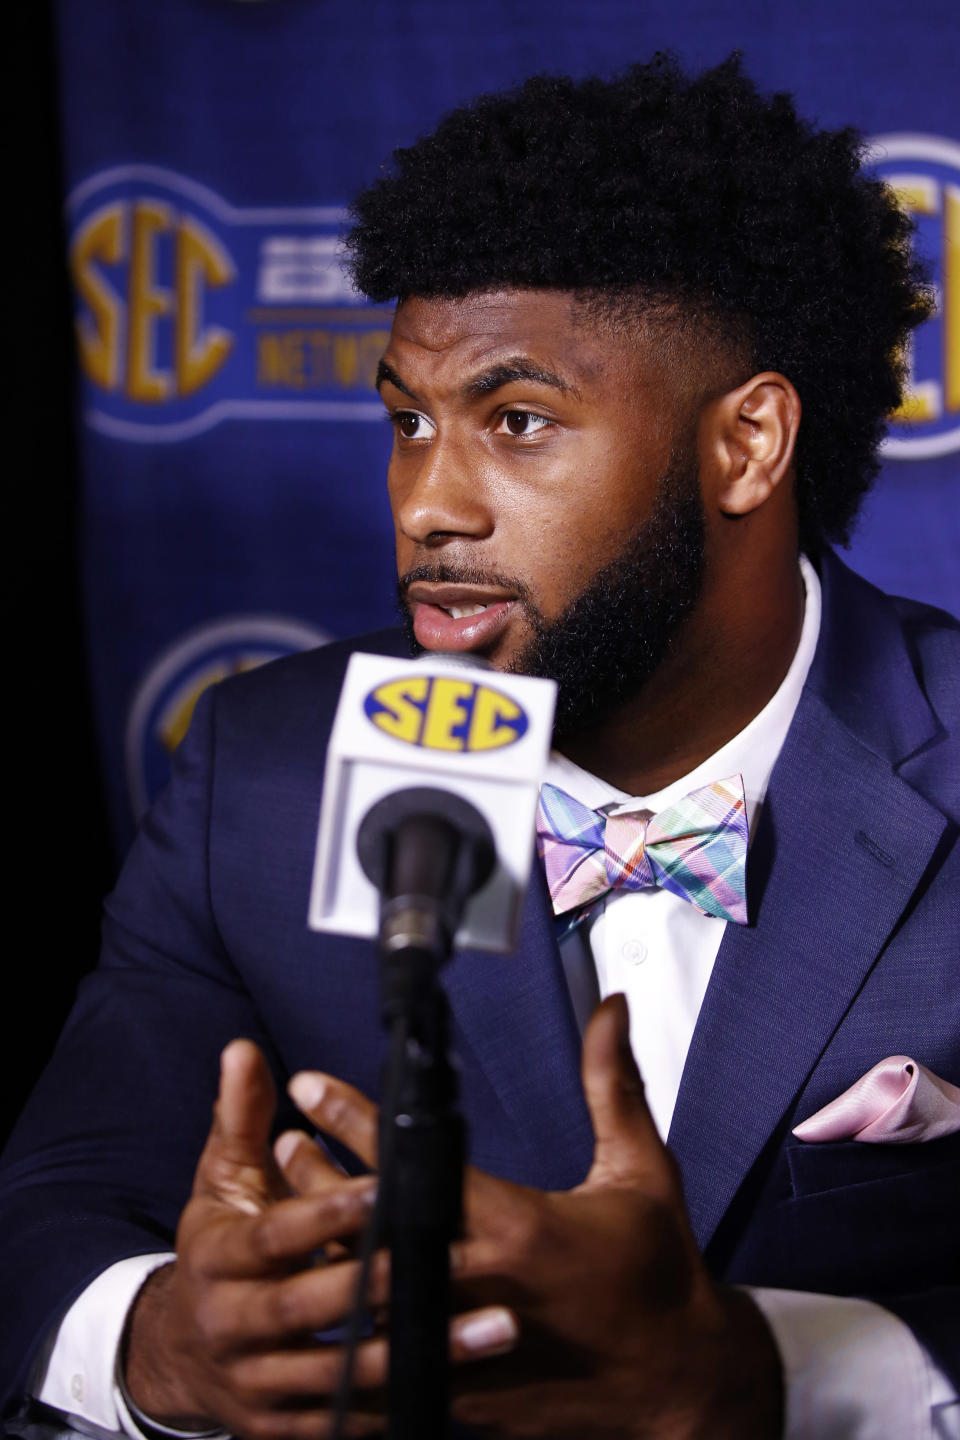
(898, 1102)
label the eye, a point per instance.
(410, 425)
(522, 422)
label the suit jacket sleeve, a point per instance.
(102, 1161)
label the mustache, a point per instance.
(445, 573)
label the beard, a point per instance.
(608, 641)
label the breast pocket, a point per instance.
(837, 1164)
(875, 1219)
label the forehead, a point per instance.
(453, 338)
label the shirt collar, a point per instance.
(752, 753)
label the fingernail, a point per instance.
(286, 1144)
(366, 1197)
(307, 1089)
(226, 1055)
(488, 1331)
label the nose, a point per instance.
(438, 494)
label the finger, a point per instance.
(339, 1110)
(288, 1379)
(274, 1377)
(244, 1317)
(305, 1164)
(237, 1165)
(626, 1144)
(308, 1423)
(311, 1301)
(283, 1377)
(286, 1232)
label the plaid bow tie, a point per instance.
(697, 848)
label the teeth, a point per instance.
(462, 612)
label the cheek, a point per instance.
(558, 539)
(555, 559)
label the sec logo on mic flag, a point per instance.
(447, 713)
(437, 723)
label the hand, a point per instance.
(227, 1334)
(224, 1335)
(622, 1331)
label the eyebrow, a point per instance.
(386, 375)
(517, 368)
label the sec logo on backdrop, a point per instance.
(445, 713)
(924, 170)
(163, 705)
(191, 311)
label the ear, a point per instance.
(748, 438)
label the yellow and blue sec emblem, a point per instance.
(924, 171)
(191, 310)
(446, 712)
(163, 704)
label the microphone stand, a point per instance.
(427, 857)
(422, 1137)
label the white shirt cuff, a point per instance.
(82, 1372)
(854, 1371)
(80, 1377)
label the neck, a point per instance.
(726, 663)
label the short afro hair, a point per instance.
(693, 190)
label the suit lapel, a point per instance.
(782, 984)
(841, 846)
(515, 1014)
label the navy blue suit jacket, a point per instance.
(852, 953)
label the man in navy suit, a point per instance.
(646, 337)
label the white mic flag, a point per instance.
(435, 722)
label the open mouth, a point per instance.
(464, 612)
(459, 617)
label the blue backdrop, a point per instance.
(232, 453)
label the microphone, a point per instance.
(430, 793)
(426, 851)
(425, 840)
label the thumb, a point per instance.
(237, 1164)
(626, 1144)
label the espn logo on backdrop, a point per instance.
(924, 171)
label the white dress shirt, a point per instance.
(853, 1370)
